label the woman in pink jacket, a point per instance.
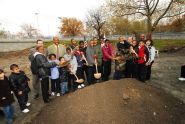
(107, 57)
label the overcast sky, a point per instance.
(13, 13)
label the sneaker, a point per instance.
(53, 93)
(182, 79)
(79, 86)
(58, 94)
(82, 85)
(28, 104)
(25, 110)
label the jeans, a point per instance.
(64, 87)
(22, 100)
(9, 113)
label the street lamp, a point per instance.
(37, 20)
(60, 22)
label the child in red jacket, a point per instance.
(143, 55)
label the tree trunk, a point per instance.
(99, 34)
(149, 28)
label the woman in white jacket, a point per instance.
(69, 56)
(151, 49)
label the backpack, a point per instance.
(34, 67)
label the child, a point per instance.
(80, 69)
(143, 57)
(119, 66)
(6, 98)
(64, 76)
(19, 82)
(55, 84)
(151, 49)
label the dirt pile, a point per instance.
(125, 101)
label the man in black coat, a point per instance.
(44, 71)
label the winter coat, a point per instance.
(19, 82)
(5, 92)
(143, 55)
(64, 74)
(43, 65)
(90, 51)
(73, 62)
(107, 52)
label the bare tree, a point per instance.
(29, 30)
(152, 10)
(96, 19)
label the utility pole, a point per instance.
(37, 20)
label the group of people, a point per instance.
(62, 66)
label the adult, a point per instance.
(98, 55)
(142, 37)
(90, 52)
(107, 57)
(73, 44)
(56, 48)
(130, 39)
(44, 71)
(124, 48)
(83, 49)
(35, 78)
(151, 49)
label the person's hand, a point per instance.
(95, 56)
(20, 93)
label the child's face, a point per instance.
(68, 51)
(148, 43)
(62, 60)
(141, 44)
(53, 58)
(16, 70)
(2, 76)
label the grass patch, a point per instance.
(159, 44)
(163, 43)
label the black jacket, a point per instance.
(123, 47)
(19, 82)
(44, 66)
(64, 74)
(5, 91)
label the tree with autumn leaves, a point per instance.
(71, 27)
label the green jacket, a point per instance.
(52, 49)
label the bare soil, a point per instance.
(127, 101)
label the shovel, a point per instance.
(78, 80)
(97, 75)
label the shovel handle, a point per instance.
(96, 65)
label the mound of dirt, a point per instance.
(15, 53)
(126, 101)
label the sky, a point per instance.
(14, 13)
